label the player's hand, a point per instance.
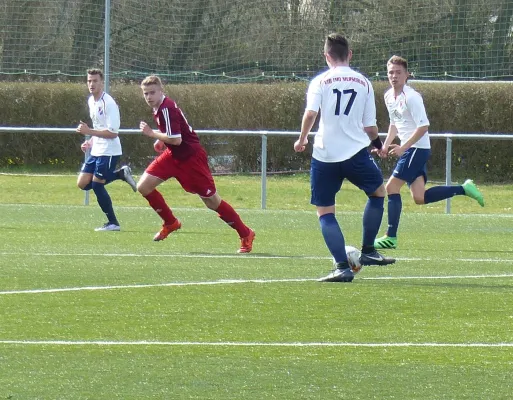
(83, 129)
(85, 146)
(381, 153)
(300, 146)
(159, 146)
(146, 129)
(396, 150)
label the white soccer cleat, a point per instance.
(108, 227)
(126, 174)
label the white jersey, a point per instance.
(407, 113)
(346, 100)
(105, 115)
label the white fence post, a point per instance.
(448, 171)
(263, 175)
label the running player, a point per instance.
(105, 148)
(409, 121)
(182, 157)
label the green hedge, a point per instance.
(452, 107)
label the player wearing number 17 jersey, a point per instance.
(340, 151)
(182, 157)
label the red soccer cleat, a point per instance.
(246, 243)
(166, 230)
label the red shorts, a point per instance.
(193, 174)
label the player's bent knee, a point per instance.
(145, 189)
(418, 200)
(380, 192)
(83, 185)
(144, 192)
(212, 202)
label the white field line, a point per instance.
(251, 210)
(241, 344)
(153, 285)
(240, 257)
(237, 281)
(39, 175)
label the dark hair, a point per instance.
(95, 71)
(337, 47)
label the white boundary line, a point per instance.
(236, 281)
(153, 285)
(260, 211)
(242, 344)
(238, 256)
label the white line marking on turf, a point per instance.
(253, 210)
(175, 255)
(238, 256)
(238, 281)
(153, 285)
(242, 344)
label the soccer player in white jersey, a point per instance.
(105, 147)
(408, 121)
(346, 129)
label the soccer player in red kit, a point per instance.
(181, 157)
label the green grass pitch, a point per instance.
(114, 315)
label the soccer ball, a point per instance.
(353, 257)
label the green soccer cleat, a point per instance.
(386, 242)
(473, 192)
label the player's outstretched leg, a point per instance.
(230, 216)
(341, 273)
(105, 203)
(473, 192)
(125, 174)
(386, 242)
(171, 223)
(389, 241)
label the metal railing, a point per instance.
(449, 137)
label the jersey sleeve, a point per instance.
(369, 112)
(417, 110)
(171, 122)
(314, 95)
(112, 117)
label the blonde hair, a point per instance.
(152, 80)
(398, 60)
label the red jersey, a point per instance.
(172, 122)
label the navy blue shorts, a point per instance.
(326, 178)
(102, 167)
(412, 164)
